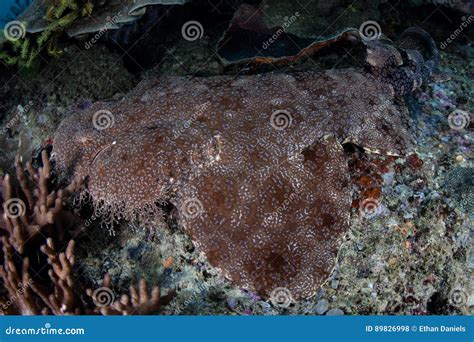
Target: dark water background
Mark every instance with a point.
(5, 11)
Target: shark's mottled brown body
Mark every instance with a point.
(253, 164)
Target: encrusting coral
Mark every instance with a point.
(459, 183)
(27, 225)
(253, 164)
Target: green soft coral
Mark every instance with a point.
(60, 14)
(20, 53)
(57, 8)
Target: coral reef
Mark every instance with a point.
(412, 254)
(84, 80)
(52, 93)
(138, 302)
(43, 24)
(39, 214)
(459, 182)
(25, 224)
(86, 16)
(26, 296)
(73, 79)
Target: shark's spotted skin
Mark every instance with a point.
(253, 164)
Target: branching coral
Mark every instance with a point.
(17, 282)
(29, 297)
(31, 222)
(36, 298)
(28, 214)
(19, 52)
(63, 299)
(138, 302)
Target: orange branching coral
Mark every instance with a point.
(60, 297)
(28, 297)
(139, 302)
(29, 213)
(63, 299)
(36, 216)
(21, 298)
